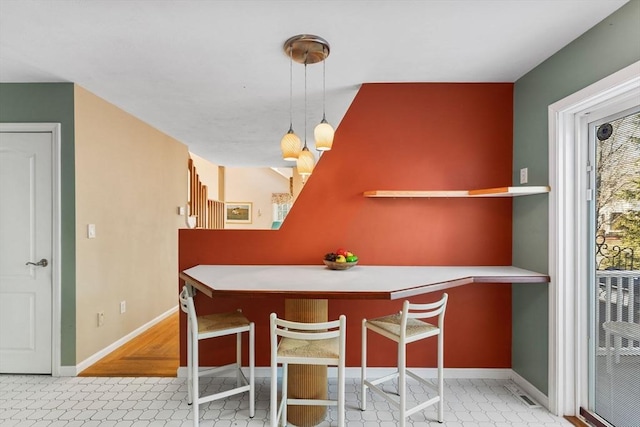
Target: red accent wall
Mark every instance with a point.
(396, 136)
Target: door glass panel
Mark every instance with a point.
(614, 368)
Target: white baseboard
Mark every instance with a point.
(67, 371)
(72, 371)
(531, 390)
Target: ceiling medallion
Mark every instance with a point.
(307, 48)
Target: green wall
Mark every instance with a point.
(53, 103)
(606, 48)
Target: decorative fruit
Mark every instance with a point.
(341, 251)
(341, 255)
(330, 256)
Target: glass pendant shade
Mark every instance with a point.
(305, 162)
(290, 146)
(323, 134)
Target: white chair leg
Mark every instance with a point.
(341, 396)
(196, 415)
(238, 359)
(363, 373)
(252, 364)
(402, 383)
(195, 381)
(285, 383)
(441, 377)
(274, 393)
(189, 372)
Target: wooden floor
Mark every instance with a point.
(154, 353)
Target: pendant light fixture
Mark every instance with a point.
(290, 143)
(324, 132)
(307, 49)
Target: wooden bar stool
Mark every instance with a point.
(213, 326)
(404, 328)
(321, 343)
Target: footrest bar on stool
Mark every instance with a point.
(312, 402)
(422, 380)
(383, 379)
(383, 393)
(422, 405)
(223, 394)
(217, 369)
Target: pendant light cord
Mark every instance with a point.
(291, 89)
(305, 104)
(324, 85)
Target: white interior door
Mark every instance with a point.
(26, 237)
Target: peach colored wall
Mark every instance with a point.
(401, 136)
(130, 180)
(254, 185)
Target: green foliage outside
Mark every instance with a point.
(629, 222)
(617, 181)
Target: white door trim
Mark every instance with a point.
(567, 232)
(56, 295)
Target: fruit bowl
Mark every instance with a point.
(332, 265)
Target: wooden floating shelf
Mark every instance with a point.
(485, 192)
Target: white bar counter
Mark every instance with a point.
(359, 282)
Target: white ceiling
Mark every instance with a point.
(213, 74)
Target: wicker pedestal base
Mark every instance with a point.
(306, 381)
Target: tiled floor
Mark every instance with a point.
(89, 401)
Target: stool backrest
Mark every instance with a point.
(320, 337)
(187, 306)
(307, 331)
(424, 311)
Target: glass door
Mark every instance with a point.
(614, 297)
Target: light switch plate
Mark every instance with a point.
(91, 231)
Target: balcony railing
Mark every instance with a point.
(613, 256)
(618, 301)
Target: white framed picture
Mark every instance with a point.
(238, 212)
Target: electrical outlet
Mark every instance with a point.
(123, 307)
(100, 318)
(524, 175)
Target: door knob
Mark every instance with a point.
(42, 263)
